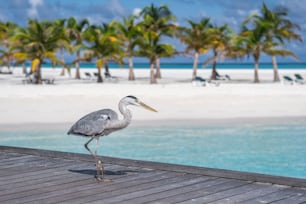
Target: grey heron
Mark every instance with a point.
(103, 122)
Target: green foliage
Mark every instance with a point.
(144, 36)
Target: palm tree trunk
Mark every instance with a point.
(77, 67)
(131, 69)
(214, 67)
(63, 58)
(195, 65)
(24, 68)
(152, 75)
(38, 74)
(256, 77)
(275, 69)
(158, 73)
(8, 64)
(62, 71)
(99, 78)
(107, 73)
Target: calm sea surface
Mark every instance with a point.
(268, 149)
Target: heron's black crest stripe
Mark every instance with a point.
(133, 97)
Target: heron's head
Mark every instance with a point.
(132, 100)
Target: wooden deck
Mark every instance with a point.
(39, 176)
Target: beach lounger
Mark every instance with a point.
(299, 79)
(48, 81)
(288, 80)
(88, 75)
(30, 80)
(7, 72)
(199, 81)
(222, 77)
(109, 77)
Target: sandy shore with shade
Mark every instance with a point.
(177, 101)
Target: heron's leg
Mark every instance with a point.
(99, 165)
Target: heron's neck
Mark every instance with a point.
(127, 117)
(120, 124)
(126, 113)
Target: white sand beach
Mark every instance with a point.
(177, 101)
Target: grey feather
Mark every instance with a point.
(93, 123)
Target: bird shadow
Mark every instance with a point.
(106, 172)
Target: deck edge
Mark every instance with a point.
(229, 174)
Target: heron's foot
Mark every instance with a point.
(100, 168)
(100, 172)
(99, 179)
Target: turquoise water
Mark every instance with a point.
(268, 149)
(190, 65)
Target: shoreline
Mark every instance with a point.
(176, 99)
(165, 123)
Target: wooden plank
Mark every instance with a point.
(176, 192)
(264, 190)
(277, 196)
(294, 182)
(44, 183)
(59, 193)
(54, 184)
(54, 177)
(8, 162)
(9, 155)
(33, 182)
(28, 167)
(84, 194)
(175, 183)
(207, 187)
(38, 170)
(296, 199)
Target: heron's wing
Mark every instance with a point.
(93, 123)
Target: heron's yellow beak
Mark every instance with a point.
(147, 107)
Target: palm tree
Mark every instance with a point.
(151, 48)
(104, 46)
(281, 29)
(158, 20)
(7, 51)
(75, 32)
(197, 41)
(63, 44)
(265, 33)
(39, 42)
(221, 44)
(130, 34)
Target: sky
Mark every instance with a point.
(232, 12)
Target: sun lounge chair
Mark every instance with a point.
(199, 81)
(222, 77)
(109, 77)
(48, 81)
(30, 80)
(299, 79)
(288, 80)
(7, 72)
(88, 75)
